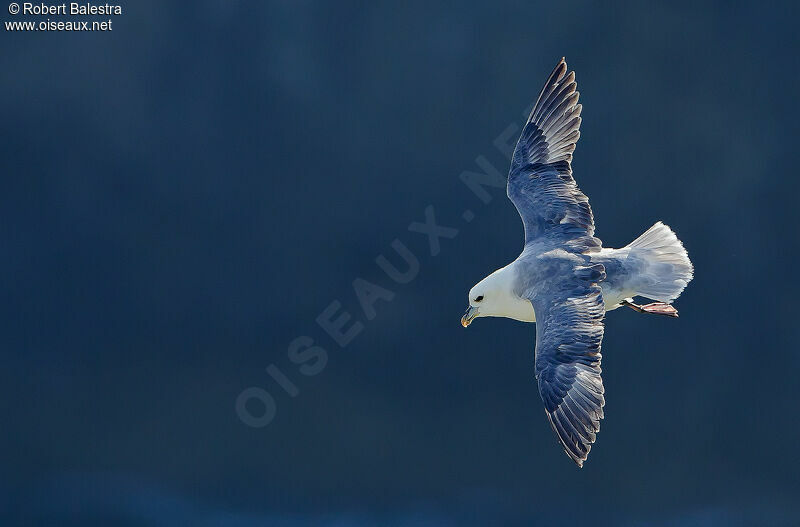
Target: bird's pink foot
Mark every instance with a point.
(656, 308)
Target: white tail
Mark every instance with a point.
(664, 266)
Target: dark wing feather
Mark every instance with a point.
(569, 331)
(540, 182)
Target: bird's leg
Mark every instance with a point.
(656, 308)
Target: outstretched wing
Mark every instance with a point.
(569, 331)
(540, 182)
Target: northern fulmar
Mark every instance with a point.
(564, 280)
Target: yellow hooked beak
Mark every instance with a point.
(471, 313)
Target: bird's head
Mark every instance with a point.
(477, 295)
(494, 296)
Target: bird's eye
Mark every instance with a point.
(478, 298)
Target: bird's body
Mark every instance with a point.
(564, 280)
(628, 271)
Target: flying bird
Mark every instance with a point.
(565, 280)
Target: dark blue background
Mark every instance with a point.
(184, 195)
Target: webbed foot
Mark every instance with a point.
(655, 308)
